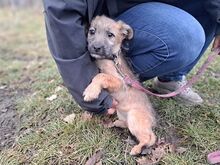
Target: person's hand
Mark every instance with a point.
(216, 43)
(112, 110)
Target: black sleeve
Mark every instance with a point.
(67, 42)
(213, 8)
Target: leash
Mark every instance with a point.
(137, 85)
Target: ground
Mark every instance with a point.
(32, 130)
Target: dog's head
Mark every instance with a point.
(105, 37)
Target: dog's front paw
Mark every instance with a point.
(91, 93)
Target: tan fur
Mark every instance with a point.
(134, 109)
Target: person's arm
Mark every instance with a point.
(67, 42)
(213, 8)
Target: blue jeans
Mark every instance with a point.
(168, 41)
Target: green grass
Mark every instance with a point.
(45, 139)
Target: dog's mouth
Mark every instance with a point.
(104, 53)
(98, 56)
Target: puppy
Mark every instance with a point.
(134, 110)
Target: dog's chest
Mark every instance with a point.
(108, 67)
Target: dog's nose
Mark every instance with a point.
(97, 49)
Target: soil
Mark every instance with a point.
(9, 94)
(9, 118)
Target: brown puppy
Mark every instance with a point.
(134, 109)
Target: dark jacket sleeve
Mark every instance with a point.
(67, 42)
(213, 8)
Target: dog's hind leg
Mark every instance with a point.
(99, 82)
(140, 125)
(146, 140)
(120, 124)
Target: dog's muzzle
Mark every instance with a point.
(97, 56)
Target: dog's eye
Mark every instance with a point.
(92, 31)
(110, 35)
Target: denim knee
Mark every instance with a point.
(166, 38)
(186, 43)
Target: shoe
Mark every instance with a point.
(188, 96)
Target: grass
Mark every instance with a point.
(44, 138)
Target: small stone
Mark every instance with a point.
(70, 118)
(58, 89)
(51, 98)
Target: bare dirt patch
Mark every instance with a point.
(9, 118)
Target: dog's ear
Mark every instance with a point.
(126, 30)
